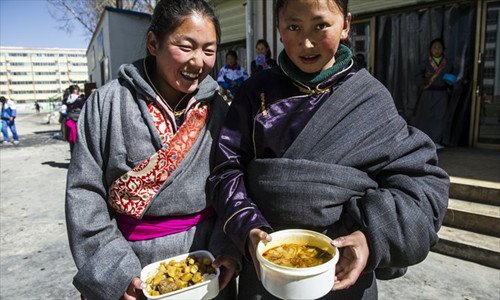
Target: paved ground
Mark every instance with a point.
(35, 261)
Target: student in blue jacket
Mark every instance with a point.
(8, 120)
(232, 75)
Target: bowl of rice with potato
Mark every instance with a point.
(186, 276)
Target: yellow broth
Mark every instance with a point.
(297, 255)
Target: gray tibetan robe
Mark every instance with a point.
(356, 165)
(115, 133)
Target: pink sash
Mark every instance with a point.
(72, 130)
(154, 227)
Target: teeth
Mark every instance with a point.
(190, 75)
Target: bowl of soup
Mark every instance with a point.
(297, 264)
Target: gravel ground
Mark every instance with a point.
(36, 263)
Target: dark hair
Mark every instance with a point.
(438, 40)
(232, 53)
(342, 4)
(2, 98)
(264, 42)
(73, 88)
(169, 14)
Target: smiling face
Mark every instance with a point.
(185, 57)
(311, 31)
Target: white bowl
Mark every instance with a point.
(206, 289)
(298, 283)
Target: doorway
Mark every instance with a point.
(486, 125)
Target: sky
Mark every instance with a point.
(28, 23)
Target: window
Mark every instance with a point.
(19, 64)
(78, 73)
(491, 37)
(45, 73)
(43, 64)
(492, 17)
(489, 54)
(489, 72)
(361, 39)
(18, 54)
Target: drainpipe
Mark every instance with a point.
(249, 32)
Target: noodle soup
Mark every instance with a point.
(299, 283)
(297, 255)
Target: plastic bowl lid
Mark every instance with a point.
(450, 77)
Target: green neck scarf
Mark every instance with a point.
(437, 59)
(342, 59)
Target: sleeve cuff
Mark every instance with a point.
(238, 226)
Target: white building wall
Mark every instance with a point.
(39, 74)
(121, 35)
(365, 6)
(231, 14)
(127, 43)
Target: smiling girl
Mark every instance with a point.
(315, 144)
(136, 182)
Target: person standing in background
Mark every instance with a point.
(9, 114)
(74, 105)
(433, 103)
(263, 58)
(37, 107)
(232, 75)
(63, 117)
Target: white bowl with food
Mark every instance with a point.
(297, 264)
(186, 276)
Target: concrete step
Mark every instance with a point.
(480, 191)
(470, 246)
(472, 216)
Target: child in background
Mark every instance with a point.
(318, 145)
(74, 105)
(9, 114)
(232, 75)
(433, 102)
(263, 60)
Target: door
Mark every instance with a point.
(486, 131)
(362, 32)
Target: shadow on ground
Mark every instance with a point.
(479, 164)
(37, 138)
(55, 164)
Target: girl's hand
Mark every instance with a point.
(353, 260)
(134, 291)
(256, 235)
(228, 268)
